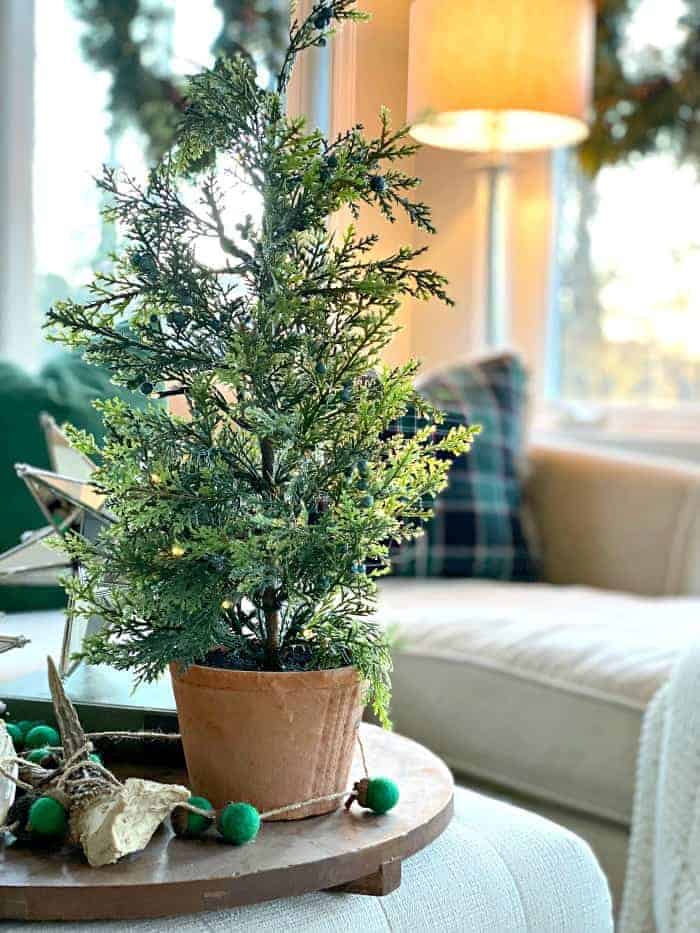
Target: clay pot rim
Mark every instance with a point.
(227, 678)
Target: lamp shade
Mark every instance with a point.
(500, 75)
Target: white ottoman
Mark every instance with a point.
(496, 869)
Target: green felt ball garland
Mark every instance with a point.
(48, 817)
(239, 823)
(194, 821)
(42, 737)
(33, 735)
(45, 817)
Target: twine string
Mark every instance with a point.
(363, 756)
(303, 803)
(268, 814)
(167, 736)
(15, 778)
(97, 781)
(100, 780)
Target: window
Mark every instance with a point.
(75, 134)
(626, 315)
(75, 129)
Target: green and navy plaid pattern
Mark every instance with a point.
(478, 528)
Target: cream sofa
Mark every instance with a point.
(537, 691)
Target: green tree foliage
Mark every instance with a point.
(244, 531)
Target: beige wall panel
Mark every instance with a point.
(370, 71)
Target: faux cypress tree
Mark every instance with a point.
(244, 531)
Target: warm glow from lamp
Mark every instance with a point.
(500, 75)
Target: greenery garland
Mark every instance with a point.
(143, 95)
(658, 107)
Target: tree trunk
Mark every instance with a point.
(273, 620)
(272, 647)
(268, 460)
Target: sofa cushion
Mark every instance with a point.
(535, 687)
(478, 529)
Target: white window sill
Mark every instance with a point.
(672, 432)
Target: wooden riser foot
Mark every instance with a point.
(383, 881)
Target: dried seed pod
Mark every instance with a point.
(18, 816)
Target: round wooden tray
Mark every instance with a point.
(353, 851)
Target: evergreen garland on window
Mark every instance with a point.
(633, 115)
(140, 93)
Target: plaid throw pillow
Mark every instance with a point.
(478, 528)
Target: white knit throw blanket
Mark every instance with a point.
(662, 888)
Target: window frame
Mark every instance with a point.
(20, 327)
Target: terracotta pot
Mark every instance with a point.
(269, 739)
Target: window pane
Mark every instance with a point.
(70, 143)
(627, 304)
(76, 132)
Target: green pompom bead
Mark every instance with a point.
(42, 735)
(24, 725)
(37, 755)
(321, 368)
(47, 817)
(366, 502)
(363, 467)
(96, 758)
(15, 734)
(238, 823)
(189, 824)
(382, 795)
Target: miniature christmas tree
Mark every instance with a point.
(244, 530)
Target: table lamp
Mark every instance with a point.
(499, 77)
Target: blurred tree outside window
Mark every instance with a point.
(626, 316)
(109, 79)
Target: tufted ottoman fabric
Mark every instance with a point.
(496, 869)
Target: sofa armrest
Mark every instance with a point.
(616, 521)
